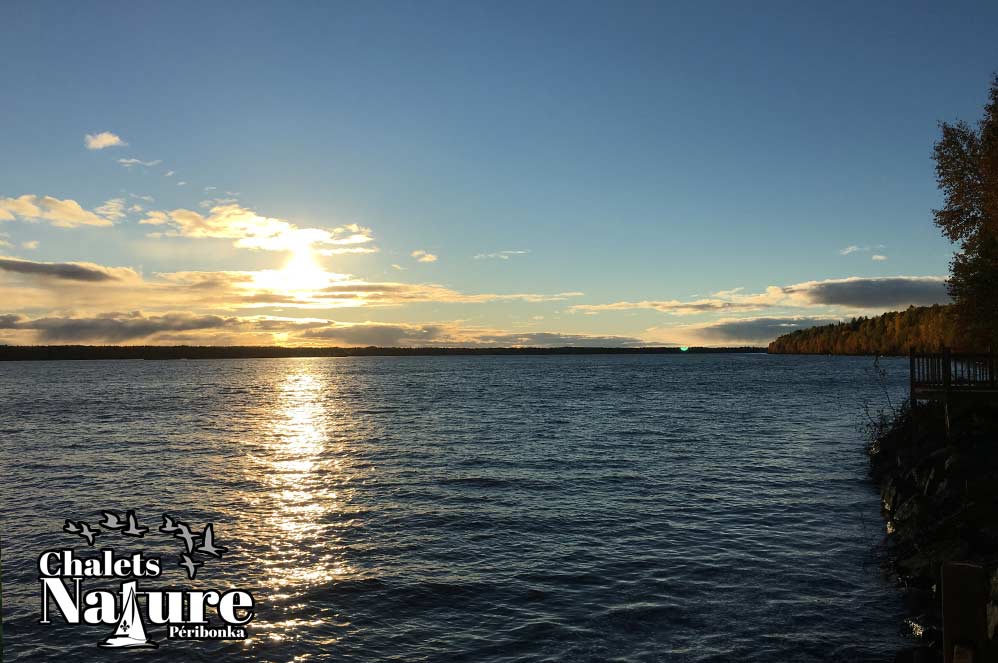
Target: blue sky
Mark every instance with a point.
(635, 153)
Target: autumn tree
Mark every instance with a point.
(967, 173)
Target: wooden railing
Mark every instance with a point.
(944, 371)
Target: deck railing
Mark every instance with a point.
(945, 370)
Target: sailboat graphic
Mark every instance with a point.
(129, 632)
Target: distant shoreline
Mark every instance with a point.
(167, 352)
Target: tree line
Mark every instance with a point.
(922, 328)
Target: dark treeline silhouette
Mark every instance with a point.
(64, 352)
(922, 328)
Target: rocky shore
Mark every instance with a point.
(940, 501)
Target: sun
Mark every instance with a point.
(301, 275)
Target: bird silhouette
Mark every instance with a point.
(184, 532)
(208, 543)
(134, 529)
(81, 529)
(192, 567)
(168, 526)
(111, 521)
(88, 533)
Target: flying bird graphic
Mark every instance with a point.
(134, 529)
(208, 546)
(168, 526)
(111, 521)
(88, 533)
(81, 529)
(184, 532)
(192, 567)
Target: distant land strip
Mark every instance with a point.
(154, 352)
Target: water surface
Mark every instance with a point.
(552, 508)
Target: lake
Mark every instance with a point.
(546, 508)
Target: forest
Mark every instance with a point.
(922, 328)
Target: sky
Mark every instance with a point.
(474, 173)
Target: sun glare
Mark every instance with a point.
(301, 275)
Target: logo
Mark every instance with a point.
(187, 614)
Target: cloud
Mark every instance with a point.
(191, 328)
(103, 140)
(878, 258)
(30, 245)
(853, 248)
(68, 271)
(168, 173)
(422, 256)
(114, 327)
(357, 293)
(131, 163)
(755, 330)
(555, 340)
(253, 231)
(181, 183)
(60, 213)
(372, 333)
(674, 306)
(399, 268)
(499, 255)
(881, 293)
(347, 249)
(215, 202)
(449, 334)
(113, 209)
(886, 293)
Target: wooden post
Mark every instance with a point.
(946, 386)
(991, 368)
(965, 598)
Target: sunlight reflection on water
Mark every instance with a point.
(299, 467)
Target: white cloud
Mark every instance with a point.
(214, 202)
(103, 140)
(499, 255)
(30, 245)
(422, 256)
(852, 249)
(253, 231)
(181, 183)
(60, 213)
(113, 209)
(168, 173)
(130, 163)
(878, 258)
